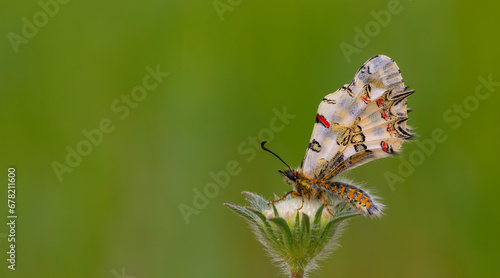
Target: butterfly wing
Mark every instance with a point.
(361, 121)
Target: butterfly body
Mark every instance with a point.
(310, 189)
(360, 122)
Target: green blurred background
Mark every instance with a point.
(117, 214)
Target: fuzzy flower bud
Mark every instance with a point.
(295, 240)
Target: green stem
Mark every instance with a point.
(298, 273)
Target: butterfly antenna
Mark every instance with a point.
(268, 150)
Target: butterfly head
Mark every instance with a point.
(290, 176)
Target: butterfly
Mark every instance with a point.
(362, 121)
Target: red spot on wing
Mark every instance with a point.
(390, 129)
(365, 99)
(384, 146)
(322, 120)
(384, 115)
(379, 102)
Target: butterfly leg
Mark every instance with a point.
(294, 193)
(327, 204)
(301, 205)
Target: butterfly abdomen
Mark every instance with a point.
(355, 197)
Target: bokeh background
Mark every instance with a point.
(117, 213)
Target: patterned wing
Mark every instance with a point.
(359, 122)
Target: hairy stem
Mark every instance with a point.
(297, 273)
